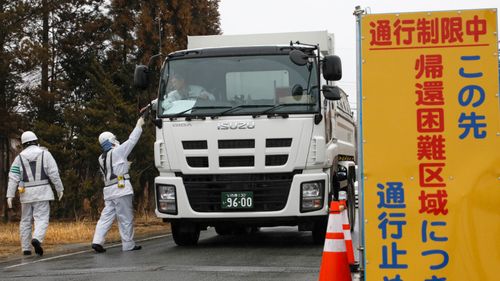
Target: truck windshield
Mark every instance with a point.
(237, 85)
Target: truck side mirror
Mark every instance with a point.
(297, 91)
(331, 92)
(298, 57)
(332, 68)
(341, 176)
(141, 77)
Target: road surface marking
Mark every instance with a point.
(172, 268)
(80, 252)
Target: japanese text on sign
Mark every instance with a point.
(426, 31)
(430, 176)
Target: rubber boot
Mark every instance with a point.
(38, 247)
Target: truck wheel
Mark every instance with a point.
(319, 232)
(351, 204)
(185, 234)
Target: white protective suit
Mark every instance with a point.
(35, 167)
(117, 200)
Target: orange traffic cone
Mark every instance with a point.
(347, 234)
(334, 264)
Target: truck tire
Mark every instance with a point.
(319, 232)
(351, 203)
(185, 233)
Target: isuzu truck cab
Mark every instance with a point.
(255, 135)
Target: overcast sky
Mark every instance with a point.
(335, 16)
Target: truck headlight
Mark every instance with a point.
(312, 195)
(167, 199)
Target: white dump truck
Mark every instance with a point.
(251, 132)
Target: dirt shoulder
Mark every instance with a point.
(69, 236)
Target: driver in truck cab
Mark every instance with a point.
(182, 91)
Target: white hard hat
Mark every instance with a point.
(104, 136)
(28, 136)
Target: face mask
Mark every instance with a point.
(106, 145)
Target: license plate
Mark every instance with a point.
(237, 200)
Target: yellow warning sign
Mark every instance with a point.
(431, 145)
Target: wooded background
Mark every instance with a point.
(66, 73)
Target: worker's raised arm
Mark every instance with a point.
(125, 148)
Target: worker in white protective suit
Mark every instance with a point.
(118, 191)
(31, 174)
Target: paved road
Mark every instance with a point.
(272, 254)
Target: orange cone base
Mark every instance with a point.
(334, 267)
(350, 251)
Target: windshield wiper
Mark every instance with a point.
(285, 115)
(177, 115)
(234, 108)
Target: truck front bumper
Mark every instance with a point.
(290, 214)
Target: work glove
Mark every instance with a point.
(140, 122)
(9, 202)
(144, 109)
(60, 195)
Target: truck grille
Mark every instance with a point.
(276, 160)
(278, 142)
(270, 191)
(236, 161)
(197, 162)
(234, 153)
(232, 144)
(194, 144)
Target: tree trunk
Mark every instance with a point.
(4, 138)
(45, 45)
(5, 174)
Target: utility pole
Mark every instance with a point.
(358, 13)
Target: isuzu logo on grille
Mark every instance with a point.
(235, 125)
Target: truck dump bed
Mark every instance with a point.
(323, 38)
